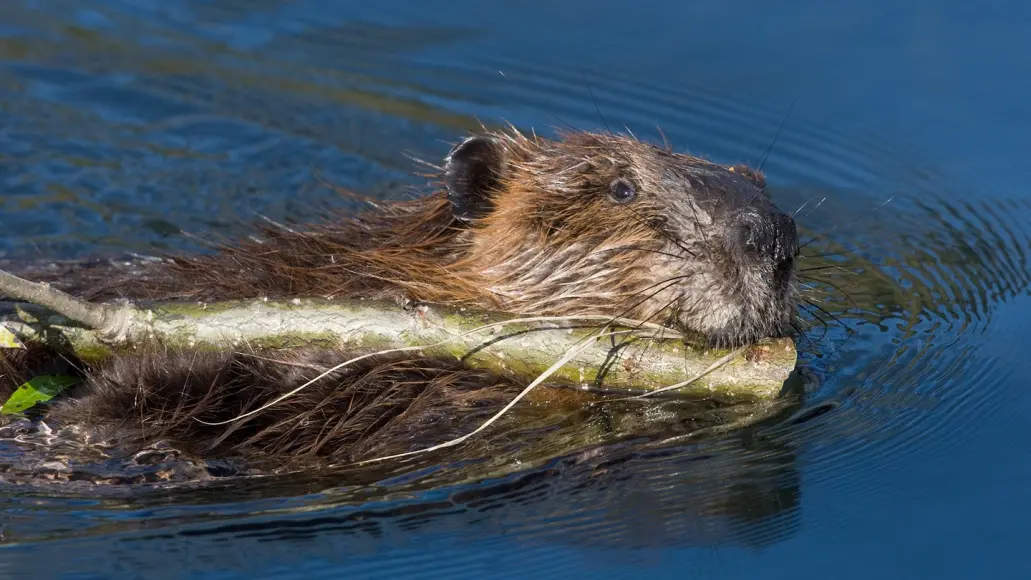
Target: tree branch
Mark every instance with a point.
(109, 322)
(644, 359)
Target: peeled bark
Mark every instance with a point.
(643, 360)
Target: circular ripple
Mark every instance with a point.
(904, 290)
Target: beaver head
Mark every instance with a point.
(607, 224)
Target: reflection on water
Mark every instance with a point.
(124, 124)
(554, 467)
(741, 493)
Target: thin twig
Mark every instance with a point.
(106, 320)
(540, 379)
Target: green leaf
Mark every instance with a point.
(8, 339)
(36, 390)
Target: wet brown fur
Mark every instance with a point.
(378, 406)
(553, 244)
(374, 407)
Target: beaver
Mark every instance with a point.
(583, 223)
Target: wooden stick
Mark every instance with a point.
(639, 361)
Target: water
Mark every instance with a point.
(123, 122)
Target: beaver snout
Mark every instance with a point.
(766, 232)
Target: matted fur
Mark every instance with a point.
(377, 406)
(553, 243)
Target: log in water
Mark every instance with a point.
(639, 358)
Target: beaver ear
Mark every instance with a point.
(753, 175)
(472, 171)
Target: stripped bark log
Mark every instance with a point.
(641, 360)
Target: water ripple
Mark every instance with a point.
(106, 133)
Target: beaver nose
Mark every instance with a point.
(767, 231)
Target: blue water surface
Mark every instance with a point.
(124, 122)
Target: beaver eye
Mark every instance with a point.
(622, 191)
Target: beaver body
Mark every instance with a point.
(584, 224)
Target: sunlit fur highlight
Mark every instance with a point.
(555, 243)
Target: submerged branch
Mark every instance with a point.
(643, 360)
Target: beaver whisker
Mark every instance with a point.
(797, 324)
(776, 135)
(813, 288)
(670, 316)
(851, 223)
(797, 327)
(811, 299)
(795, 213)
(839, 289)
(821, 309)
(841, 253)
(826, 267)
(605, 122)
(662, 287)
(823, 323)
